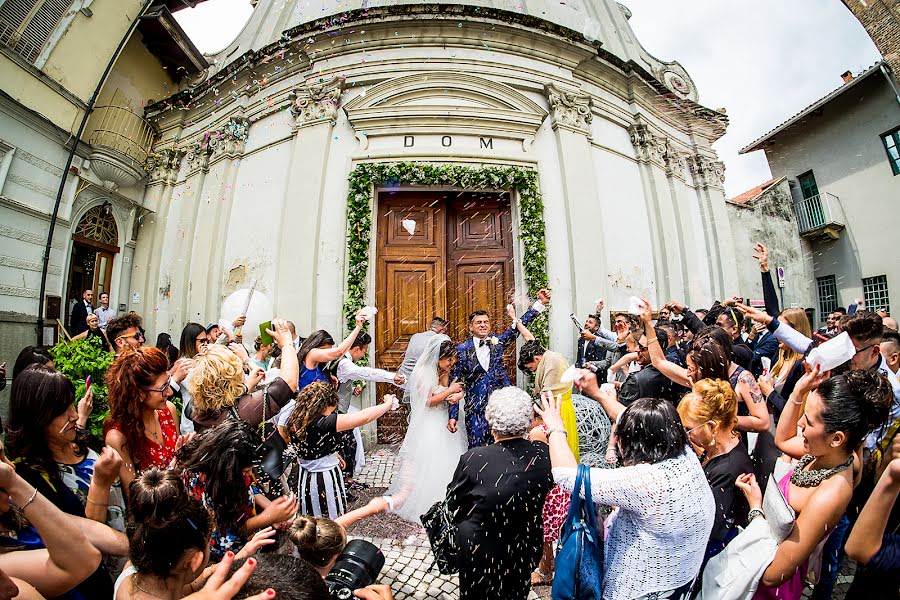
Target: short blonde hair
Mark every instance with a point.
(710, 400)
(217, 379)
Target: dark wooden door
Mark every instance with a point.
(437, 254)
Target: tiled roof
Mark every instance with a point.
(758, 144)
(754, 193)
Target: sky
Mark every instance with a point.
(761, 60)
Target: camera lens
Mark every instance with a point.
(358, 566)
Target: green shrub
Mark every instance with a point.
(78, 359)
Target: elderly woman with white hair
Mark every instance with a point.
(496, 496)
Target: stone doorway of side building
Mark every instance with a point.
(94, 247)
(443, 254)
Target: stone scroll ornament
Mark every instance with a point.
(317, 101)
(569, 109)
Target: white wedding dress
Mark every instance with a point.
(430, 453)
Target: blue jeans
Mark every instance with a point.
(832, 558)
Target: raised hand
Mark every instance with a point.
(599, 308)
(550, 410)
(85, 406)
(511, 311)
(361, 317)
(239, 350)
(281, 509)
(261, 538)
(544, 296)
(107, 466)
(753, 313)
(811, 380)
(180, 369)
(280, 333)
(256, 375)
(761, 254)
(675, 306)
(748, 485)
(218, 588)
(239, 321)
(646, 311)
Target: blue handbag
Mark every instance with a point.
(579, 560)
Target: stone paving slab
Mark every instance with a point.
(407, 553)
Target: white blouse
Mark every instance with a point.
(657, 538)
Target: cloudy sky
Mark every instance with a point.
(761, 60)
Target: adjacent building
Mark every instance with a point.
(840, 157)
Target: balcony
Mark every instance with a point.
(120, 142)
(820, 217)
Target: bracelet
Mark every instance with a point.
(557, 430)
(755, 512)
(30, 500)
(97, 503)
(652, 340)
(800, 403)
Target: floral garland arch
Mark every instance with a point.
(523, 181)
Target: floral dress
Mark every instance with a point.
(78, 478)
(226, 536)
(556, 508)
(154, 454)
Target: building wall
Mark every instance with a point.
(843, 148)
(770, 220)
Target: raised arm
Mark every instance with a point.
(375, 506)
(319, 355)
(688, 318)
(116, 441)
(106, 470)
(69, 557)
(587, 382)
(749, 393)
(786, 438)
(770, 296)
(519, 325)
(366, 415)
(290, 366)
(674, 372)
(867, 534)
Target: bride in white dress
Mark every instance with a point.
(430, 453)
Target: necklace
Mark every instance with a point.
(146, 591)
(814, 477)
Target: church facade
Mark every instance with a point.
(252, 175)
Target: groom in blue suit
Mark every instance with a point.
(481, 368)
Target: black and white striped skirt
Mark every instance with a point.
(321, 491)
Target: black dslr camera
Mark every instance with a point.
(357, 567)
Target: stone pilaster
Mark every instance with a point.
(569, 109)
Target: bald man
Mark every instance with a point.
(889, 323)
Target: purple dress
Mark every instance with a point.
(792, 589)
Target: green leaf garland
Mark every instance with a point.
(523, 181)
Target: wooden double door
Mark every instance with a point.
(442, 254)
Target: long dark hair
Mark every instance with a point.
(650, 431)
(855, 403)
(163, 522)
(38, 395)
(221, 454)
(188, 345)
(317, 339)
(312, 401)
(30, 355)
(712, 361)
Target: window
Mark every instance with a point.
(26, 25)
(875, 293)
(826, 287)
(892, 147)
(808, 186)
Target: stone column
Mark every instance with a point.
(570, 117)
(315, 110)
(708, 177)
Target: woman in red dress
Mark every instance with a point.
(141, 422)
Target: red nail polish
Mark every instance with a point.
(251, 562)
(229, 554)
(270, 593)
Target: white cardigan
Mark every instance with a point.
(657, 539)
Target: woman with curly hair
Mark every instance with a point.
(216, 467)
(313, 428)
(218, 390)
(141, 425)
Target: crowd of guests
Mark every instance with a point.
(699, 427)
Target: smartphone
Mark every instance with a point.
(87, 384)
(578, 325)
(266, 339)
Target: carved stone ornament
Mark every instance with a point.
(230, 140)
(706, 171)
(569, 109)
(317, 102)
(163, 165)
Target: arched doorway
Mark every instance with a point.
(95, 242)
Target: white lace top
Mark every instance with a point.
(657, 539)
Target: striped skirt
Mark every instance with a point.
(320, 488)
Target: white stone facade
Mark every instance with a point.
(251, 178)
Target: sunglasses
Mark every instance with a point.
(864, 348)
(137, 335)
(203, 341)
(690, 431)
(162, 390)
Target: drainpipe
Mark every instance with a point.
(890, 81)
(39, 330)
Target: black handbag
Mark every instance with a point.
(273, 446)
(442, 532)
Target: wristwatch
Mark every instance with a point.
(557, 430)
(755, 512)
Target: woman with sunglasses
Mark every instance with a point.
(141, 425)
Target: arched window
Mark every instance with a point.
(98, 224)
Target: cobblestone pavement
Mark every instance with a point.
(407, 553)
(408, 558)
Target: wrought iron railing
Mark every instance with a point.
(818, 212)
(120, 129)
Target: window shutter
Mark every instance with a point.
(26, 25)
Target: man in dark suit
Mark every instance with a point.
(481, 368)
(496, 498)
(764, 345)
(649, 382)
(78, 320)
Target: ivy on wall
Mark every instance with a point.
(524, 182)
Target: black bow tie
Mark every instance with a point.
(482, 343)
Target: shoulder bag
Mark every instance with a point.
(579, 561)
(442, 535)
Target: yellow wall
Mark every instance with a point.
(77, 62)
